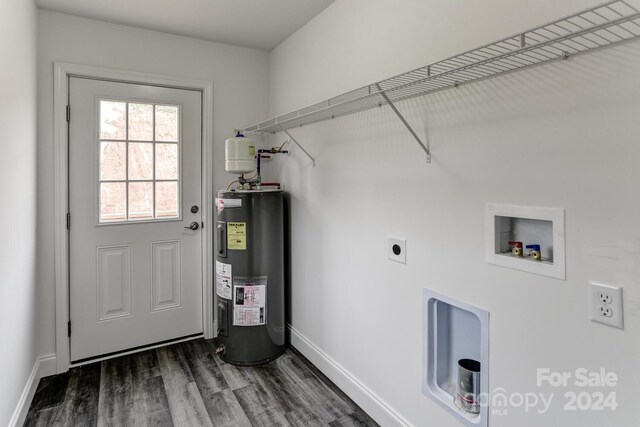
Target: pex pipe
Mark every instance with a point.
(271, 184)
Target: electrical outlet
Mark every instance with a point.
(397, 250)
(605, 311)
(605, 298)
(605, 303)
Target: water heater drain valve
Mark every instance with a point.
(220, 349)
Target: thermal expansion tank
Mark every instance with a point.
(249, 280)
(239, 154)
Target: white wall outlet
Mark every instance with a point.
(605, 304)
(397, 249)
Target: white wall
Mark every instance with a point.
(239, 76)
(18, 200)
(563, 135)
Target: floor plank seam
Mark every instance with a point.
(187, 384)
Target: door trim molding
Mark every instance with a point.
(62, 72)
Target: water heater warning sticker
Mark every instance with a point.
(223, 204)
(237, 236)
(249, 301)
(223, 280)
(248, 316)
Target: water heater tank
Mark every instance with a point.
(250, 290)
(239, 154)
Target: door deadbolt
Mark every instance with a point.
(194, 209)
(193, 226)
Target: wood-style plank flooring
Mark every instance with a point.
(185, 384)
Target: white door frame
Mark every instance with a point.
(62, 72)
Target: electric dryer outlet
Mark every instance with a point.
(605, 304)
(397, 249)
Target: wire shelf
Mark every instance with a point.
(602, 26)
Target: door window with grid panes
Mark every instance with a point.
(139, 161)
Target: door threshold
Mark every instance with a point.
(89, 360)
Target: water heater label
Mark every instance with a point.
(248, 316)
(223, 280)
(249, 301)
(237, 236)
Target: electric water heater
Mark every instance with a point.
(249, 279)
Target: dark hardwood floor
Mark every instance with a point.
(186, 385)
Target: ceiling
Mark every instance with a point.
(260, 24)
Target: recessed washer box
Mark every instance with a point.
(454, 330)
(530, 225)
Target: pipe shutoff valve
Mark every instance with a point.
(517, 249)
(535, 253)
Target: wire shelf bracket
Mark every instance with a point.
(299, 146)
(608, 24)
(424, 146)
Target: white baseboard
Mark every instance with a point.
(372, 404)
(43, 367)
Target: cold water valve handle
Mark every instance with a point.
(535, 253)
(517, 248)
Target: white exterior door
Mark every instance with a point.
(135, 181)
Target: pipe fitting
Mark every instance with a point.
(220, 350)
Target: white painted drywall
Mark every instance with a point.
(247, 23)
(18, 200)
(239, 76)
(563, 135)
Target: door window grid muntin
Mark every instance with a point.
(127, 181)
